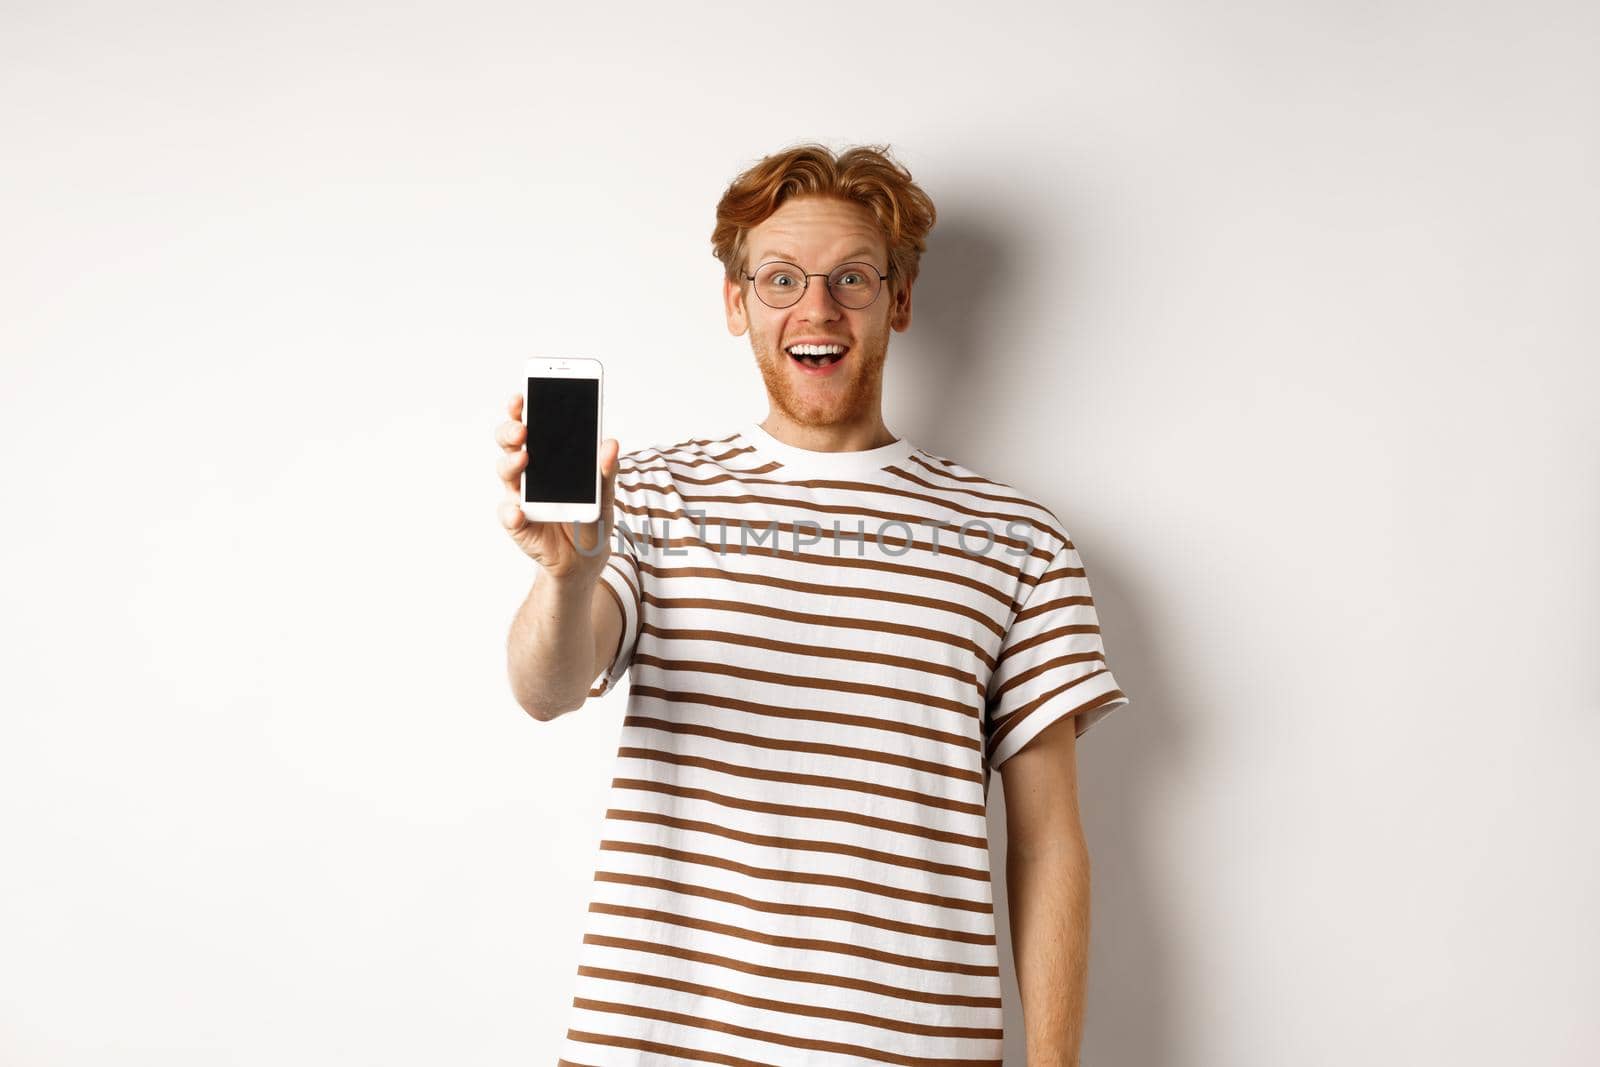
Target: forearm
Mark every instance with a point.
(1048, 895)
(550, 650)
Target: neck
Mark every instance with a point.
(856, 436)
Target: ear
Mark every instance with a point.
(733, 304)
(900, 314)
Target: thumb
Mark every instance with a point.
(609, 449)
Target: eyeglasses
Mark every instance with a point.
(781, 285)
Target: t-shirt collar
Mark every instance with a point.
(810, 463)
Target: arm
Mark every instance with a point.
(1047, 880)
(570, 624)
(563, 636)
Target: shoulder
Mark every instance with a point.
(1014, 511)
(662, 466)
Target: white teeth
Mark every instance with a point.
(817, 350)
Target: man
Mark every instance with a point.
(826, 664)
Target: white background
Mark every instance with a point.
(1288, 310)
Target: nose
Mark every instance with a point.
(817, 302)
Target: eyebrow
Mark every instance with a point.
(789, 257)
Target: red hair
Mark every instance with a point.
(865, 175)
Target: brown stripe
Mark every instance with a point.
(864, 488)
(810, 911)
(785, 974)
(801, 681)
(851, 510)
(1053, 605)
(789, 1007)
(622, 632)
(772, 1037)
(730, 453)
(669, 463)
(796, 648)
(743, 1031)
(1022, 713)
(793, 714)
(725, 546)
(858, 562)
(681, 1052)
(706, 442)
(945, 470)
(811, 944)
(1040, 638)
(801, 811)
(1051, 576)
(838, 881)
(693, 446)
(627, 570)
(640, 468)
(826, 591)
(819, 780)
(784, 842)
(815, 619)
(782, 744)
(1015, 496)
(1059, 535)
(1038, 669)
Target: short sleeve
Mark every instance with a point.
(620, 578)
(1052, 662)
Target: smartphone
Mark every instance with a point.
(561, 411)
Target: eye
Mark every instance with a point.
(777, 276)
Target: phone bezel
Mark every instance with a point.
(564, 367)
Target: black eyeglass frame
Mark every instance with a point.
(806, 283)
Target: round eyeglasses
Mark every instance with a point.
(781, 285)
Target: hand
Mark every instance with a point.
(551, 544)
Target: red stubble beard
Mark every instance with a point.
(849, 395)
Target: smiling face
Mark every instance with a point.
(818, 234)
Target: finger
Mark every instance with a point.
(510, 435)
(510, 467)
(511, 516)
(608, 481)
(514, 410)
(589, 535)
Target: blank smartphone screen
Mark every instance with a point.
(562, 416)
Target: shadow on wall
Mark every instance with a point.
(936, 370)
(945, 396)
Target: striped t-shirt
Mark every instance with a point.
(794, 866)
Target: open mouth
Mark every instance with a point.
(817, 357)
